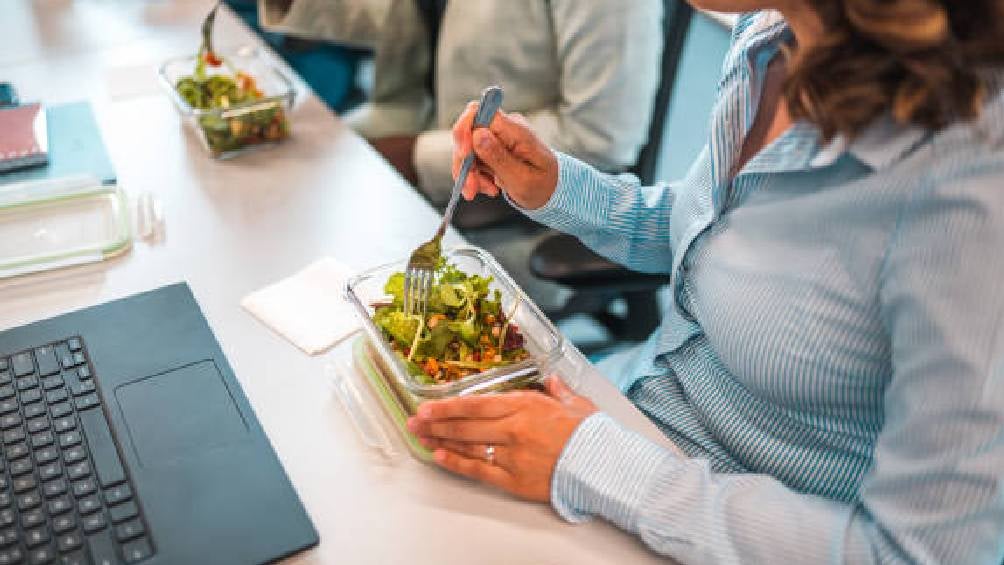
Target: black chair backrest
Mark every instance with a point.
(676, 23)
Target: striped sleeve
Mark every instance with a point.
(680, 508)
(612, 214)
(933, 492)
(589, 481)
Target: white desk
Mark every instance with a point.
(234, 226)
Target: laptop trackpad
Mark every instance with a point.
(180, 413)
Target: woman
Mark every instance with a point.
(833, 361)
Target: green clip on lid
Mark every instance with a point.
(56, 223)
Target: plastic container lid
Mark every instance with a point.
(60, 222)
(395, 406)
(541, 339)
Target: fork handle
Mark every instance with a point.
(207, 28)
(491, 100)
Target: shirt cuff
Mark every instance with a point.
(607, 470)
(576, 200)
(433, 160)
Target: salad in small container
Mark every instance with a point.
(234, 102)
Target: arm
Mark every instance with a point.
(604, 105)
(934, 493)
(611, 214)
(614, 215)
(605, 101)
(399, 104)
(356, 22)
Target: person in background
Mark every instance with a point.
(832, 362)
(329, 69)
(582, 72)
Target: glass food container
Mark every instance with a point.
(541, 339)
(227, 132)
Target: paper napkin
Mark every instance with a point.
(307, 308)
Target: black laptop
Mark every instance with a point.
(126, 438)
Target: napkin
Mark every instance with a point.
(132, 81)
(308, 308)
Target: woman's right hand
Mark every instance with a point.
(510, 157)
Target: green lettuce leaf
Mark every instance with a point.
(479, 285)
(395, 288)
(449, 273)
(417, 372)
(491, 305)
(454, 295)
(467, 330)
(439, 339)
(397, 324)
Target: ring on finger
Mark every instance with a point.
(490, 454)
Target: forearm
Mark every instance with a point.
(605, 105)
(356, 22)
(432, 159)
(611, 214)
(681, 509)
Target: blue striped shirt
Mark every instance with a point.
(832, 363)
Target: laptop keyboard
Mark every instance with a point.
(64, 495)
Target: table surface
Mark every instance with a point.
(234, 226)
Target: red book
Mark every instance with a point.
(23, 137)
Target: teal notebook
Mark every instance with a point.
(75, 147)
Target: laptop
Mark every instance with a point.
(126, 438)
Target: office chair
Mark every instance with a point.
(596, 282)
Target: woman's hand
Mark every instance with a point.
(526, 430)
(510, 157)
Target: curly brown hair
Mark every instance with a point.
(921, 60)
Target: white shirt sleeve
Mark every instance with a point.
(609, 56)
(355, 22)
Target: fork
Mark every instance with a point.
(207, 30)
(418, 275)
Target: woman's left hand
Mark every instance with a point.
(510, 440)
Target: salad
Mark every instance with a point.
(463, 332)
(236, 111)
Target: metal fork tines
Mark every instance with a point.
(419, 274)
(417, 285)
